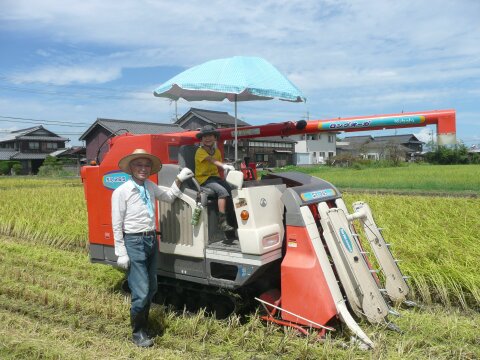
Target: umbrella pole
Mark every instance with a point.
(236, 140)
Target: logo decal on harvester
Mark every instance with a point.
(372, 122)
(114, 179)
(346, 240)
(317, 195)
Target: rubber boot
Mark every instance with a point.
(139, 334)
(147, 312)
(222, 222)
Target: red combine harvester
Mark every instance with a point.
(294, 248)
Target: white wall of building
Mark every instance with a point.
(314, 148)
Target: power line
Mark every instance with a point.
(48, 122)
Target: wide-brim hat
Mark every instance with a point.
(124, 162)
(207, 130)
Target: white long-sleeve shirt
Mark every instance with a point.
(130, 213)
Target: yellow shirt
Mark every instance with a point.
(204, 168)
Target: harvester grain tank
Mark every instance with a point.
(295, 247)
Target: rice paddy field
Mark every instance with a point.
(55, 304)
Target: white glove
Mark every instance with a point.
(123, 262)
(185, 174)
(227, 167)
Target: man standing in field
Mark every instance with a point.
(133, 223)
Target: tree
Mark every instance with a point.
(51, 166)
(7, 165)
(444, 155)
(17, 168)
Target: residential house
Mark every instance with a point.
(403, 147)
(195, 119)
(101, 130)
(72, 158)
(314, 148)
(30, 147)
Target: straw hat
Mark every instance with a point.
(124, 162)
(207, 130)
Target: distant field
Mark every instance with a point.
(54, 304)
(436, 178)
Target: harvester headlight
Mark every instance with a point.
(244, 215)
(271, 240)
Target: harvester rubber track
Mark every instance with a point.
(193, 297)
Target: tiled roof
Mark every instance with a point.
(134, 127)
(27, 130)
(58, 152)
(372, 146)
(358, 139)
(74, 150)
(43, 138)
(400, 139)
(6, 154)
(22, 134)
(216, 117)
(29, 156)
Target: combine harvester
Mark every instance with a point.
(295, 248)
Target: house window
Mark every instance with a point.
(331, 154)
(331, 138)
(321, 154)
(52, 146)
(34, 145)
(261, 157)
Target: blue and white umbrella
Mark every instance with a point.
(239, 78)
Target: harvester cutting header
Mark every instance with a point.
(295, 246)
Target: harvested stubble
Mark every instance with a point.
(54, 304)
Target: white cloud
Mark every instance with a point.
(348, 57)
(318, 44)
(62, 75)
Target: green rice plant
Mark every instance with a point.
(50, 214)
(414, 177)
(434, 238)
(9, 182)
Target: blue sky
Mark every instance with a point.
(63, 64)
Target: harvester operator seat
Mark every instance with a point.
(186, 158)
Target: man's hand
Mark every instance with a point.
(185, 174)
(123, 262)
(227, 167)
